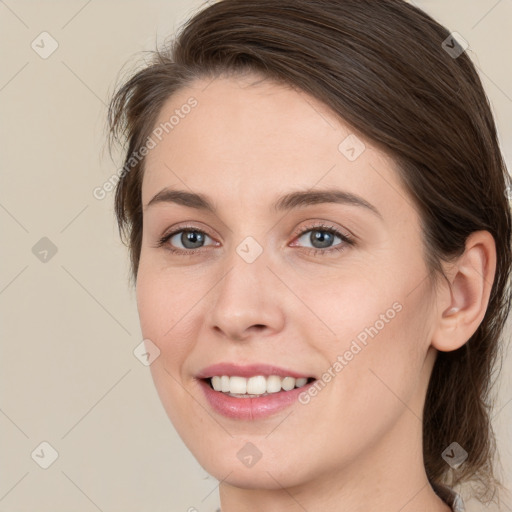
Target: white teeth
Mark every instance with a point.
(257, 385)
(273, 384)
(224, 381)
(300, 382)
(238, 385)
(216, 383)
(288, 383)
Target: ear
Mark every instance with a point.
(464, 302)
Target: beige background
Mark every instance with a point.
(69, 325)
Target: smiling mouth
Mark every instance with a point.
(255, 387)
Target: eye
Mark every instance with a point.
(189, 240)
(319, 238)
(322, 239)
(184, 240)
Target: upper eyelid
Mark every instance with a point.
(297, 232)
(323, 227)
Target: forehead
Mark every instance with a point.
(250, 138)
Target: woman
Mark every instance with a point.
(315, 205)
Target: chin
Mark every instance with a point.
(273, 473)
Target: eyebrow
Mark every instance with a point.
(287, 202)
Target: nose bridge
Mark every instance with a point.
(245, 296)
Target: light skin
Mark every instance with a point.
(356, 446)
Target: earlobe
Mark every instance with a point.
(465, 301)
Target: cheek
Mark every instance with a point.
(165, 315)
(165, 303)
(381, 338)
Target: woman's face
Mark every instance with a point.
(309, 261)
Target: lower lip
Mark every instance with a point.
(251, 408)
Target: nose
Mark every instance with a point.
(247, 301)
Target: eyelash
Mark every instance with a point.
(346, 239)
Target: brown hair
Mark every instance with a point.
(382, 67)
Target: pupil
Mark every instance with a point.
(192, 237)
(324, 238)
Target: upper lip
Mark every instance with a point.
(251, 370)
